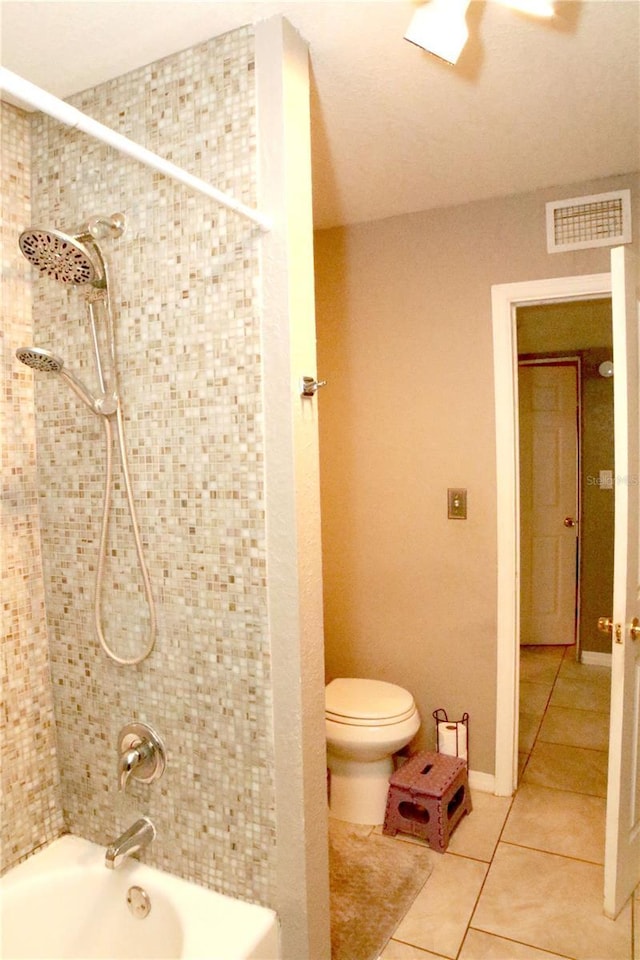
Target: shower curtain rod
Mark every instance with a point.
(36, 97)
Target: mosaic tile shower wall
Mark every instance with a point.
(184, 281)
(31, 812)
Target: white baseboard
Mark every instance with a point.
(594, 659)
(484, 782)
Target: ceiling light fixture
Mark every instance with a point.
(440, 27)
(537, 8)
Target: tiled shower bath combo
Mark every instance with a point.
(184, 280)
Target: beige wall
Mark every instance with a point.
(405, 340)
(596, 573)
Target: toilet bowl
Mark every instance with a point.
(367, 721)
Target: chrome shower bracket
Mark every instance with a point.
(309, 386)
(94, 294)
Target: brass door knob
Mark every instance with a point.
(606, 625)
(569, 522)
(634, 629)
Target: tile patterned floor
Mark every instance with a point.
(522, 879)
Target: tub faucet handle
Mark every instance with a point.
(130, 761)
(141, 754)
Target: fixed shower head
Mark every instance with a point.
(39, 359)
(47, 362)
(73, 258)
(59, 255)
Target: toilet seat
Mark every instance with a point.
(367, 703)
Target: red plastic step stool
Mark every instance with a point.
(428, 796)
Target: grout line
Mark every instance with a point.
(577, 793)
(482, 885)
(562, 706)
(570, 746)
(524, 943)
(552, 853)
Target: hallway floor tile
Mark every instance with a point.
(575, 728)
(567, 768)
(552, 902)
(556, 821)
(523, 879)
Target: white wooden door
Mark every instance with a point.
(622, 850)
(548, 401)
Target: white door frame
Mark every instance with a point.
(505, 298)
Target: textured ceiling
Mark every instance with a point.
(531, 103)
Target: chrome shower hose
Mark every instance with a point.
(106, 510)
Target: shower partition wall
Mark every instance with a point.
(214, 327)
(184, 279)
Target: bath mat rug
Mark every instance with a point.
(373, 882)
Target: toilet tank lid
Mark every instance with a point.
(366, 699)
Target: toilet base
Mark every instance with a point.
(358, 791)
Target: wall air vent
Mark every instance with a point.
(601, 220)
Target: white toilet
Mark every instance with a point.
(367, 722)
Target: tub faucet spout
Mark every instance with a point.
(136, 838)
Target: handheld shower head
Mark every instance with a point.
(60, 256)
(39, 359)
(47, 362)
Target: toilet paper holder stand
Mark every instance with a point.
(458, 734)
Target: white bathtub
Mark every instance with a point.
(62, 903)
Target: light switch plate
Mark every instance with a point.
(606, 480)
(457, 503)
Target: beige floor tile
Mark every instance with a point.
(341, 827)
(438, 918)
(636, 927)
(567, 768)
(570, 824)
(484, 946)
(534, 697)
(575, 728)
(395, 950)
(540, 664)
(478, 833)
(527, 731)
(553, 903)
(523, 759)
(572, 669)
(583, 693)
